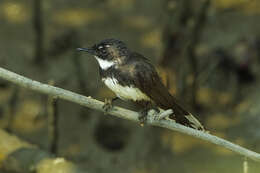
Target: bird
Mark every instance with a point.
(132, 77)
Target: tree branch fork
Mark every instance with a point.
(123, 113)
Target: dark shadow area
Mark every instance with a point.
(112, 137)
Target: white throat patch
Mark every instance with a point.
(104, 64)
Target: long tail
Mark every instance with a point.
(184, 117)
(194, 123)
(188, 120)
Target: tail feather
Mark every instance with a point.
(184, 117)
(187, 120)
(194, 123)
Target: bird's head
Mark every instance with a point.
(109, 52)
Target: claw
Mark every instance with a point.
(142, 117)
(144, 113)
(108, 105)
(157, 114)
(163, 115)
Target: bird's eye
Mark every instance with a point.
(102, 49)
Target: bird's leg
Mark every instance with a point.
(109, 104)
(144, 112)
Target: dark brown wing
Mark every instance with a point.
(149, 82)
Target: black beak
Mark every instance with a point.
(89, 50)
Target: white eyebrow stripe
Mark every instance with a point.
(100, 47)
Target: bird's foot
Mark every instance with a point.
(108, 105)
(144, 113)
(163, 115)
(142, 117)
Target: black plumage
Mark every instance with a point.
(131, 69)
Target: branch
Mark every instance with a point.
(195, 34)
(53, 130)
(39, 31)
(122, 113)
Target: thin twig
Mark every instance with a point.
(122, 113)
(53, 118)
(12, 106)
(196, 31)
(245, 166)
(55, 127)
(177, 16)
(39, 32)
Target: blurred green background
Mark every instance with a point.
(207, 52)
